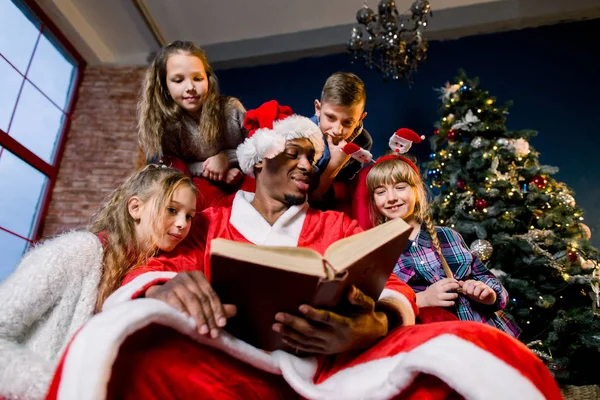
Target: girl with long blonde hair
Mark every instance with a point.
(61, 283)
(184, 121)
(437, 263)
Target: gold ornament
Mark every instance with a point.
(566, 199)
(587, 232)
(588, 264)
(482, 249)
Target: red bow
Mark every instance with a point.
(265, 115)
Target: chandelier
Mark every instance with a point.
(389, 42)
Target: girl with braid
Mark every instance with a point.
(436, 263)
(61, 283)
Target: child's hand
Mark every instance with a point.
(478, 291)
(234, 175)
(439, 294)
(338, 157)
(216, 167)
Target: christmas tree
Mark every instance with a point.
(522, 223)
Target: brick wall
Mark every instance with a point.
(100, 149)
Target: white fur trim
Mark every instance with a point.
(297, 127)
(471, 371)
(268, 143)
(128, 291)
(247, 156)
(462, 365)
(94, 349)
(402, 304)
(253, 226)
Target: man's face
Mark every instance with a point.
(286, 177)
(338, 121)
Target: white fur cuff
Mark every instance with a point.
(136, 287)
(401, 304)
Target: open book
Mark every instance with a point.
(263, 280)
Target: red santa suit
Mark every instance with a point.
(146, 349)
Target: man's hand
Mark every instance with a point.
(215, 167)
(478, 291)
(190, 293)
(325, 332)
(439, 294)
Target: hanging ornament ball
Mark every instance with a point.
(420, 7)
(539, 181)
(436, 132)
(587, 232)
(502, 142)
(481, 204)
(566, 199)
(573, 256)
(482, 249)
(462, 185)
(588, 264)
(365, 15)
(464, 88)
(387, 7)
(452, 135)
(477, 142)
(521, 147)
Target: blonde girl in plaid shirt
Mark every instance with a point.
(437, 264)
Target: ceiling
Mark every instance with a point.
(251, 32)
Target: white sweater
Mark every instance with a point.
(51, 294)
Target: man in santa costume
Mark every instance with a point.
(169, 342)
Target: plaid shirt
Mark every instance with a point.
(420, 266)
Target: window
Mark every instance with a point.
(39, 74)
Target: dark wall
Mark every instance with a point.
(551, 74)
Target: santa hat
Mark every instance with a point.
(402, 139)
(269, 127)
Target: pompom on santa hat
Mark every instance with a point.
(403, 138)
(269, 127)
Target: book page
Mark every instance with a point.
(347, 251)
(295, 259)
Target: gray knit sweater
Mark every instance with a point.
(43, 303)
(184, 141)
